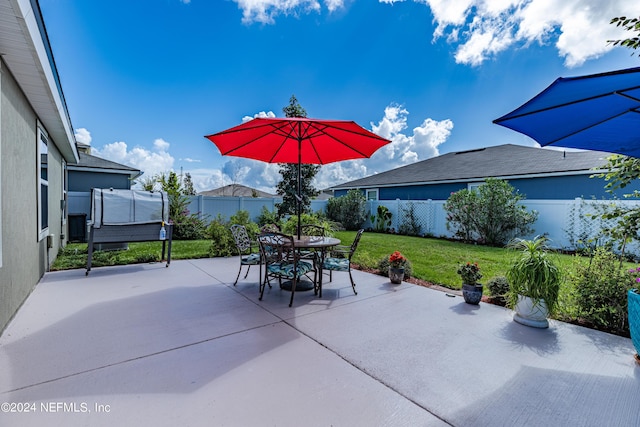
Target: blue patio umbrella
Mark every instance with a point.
(593, 112)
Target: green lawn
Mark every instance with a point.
(74, 255)
(433, 260)
(437, 260)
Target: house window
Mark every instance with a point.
(63, 199)
(43, 187)
(473, 186)
(372, 194)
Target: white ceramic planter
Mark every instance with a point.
(530, 314)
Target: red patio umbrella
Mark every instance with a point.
(298, 140)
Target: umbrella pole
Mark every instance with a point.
(299, 199)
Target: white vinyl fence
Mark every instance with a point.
(567, 223)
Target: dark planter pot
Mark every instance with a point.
(396, 275)
(472, 294)
(633, 304)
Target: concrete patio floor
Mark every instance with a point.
(180, 346)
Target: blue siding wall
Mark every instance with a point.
(545, 188)
(85, 181)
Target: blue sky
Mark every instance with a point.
(145, 80)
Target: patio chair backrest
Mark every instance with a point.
(276, 247)
(241, 237)
(356, 240)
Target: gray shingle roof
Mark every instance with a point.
(235, 190)
(498, 161)
(93, 162)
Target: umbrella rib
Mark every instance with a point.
(633, 98)
(284, 133)
(325, 126)
(506, 119)
(588, 127)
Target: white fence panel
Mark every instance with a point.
(553, 220)
(567, 223)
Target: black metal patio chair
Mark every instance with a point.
(339, 259)
(282, 261)
(248, 251)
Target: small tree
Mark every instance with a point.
(622, 170)
(499, 214)
(410, 223)
(460, 207)
(186, 226)
(187, 185)
(349, 210)
(490, 215)
(288, 187)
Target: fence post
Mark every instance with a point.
(430, 217)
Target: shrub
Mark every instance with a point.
(291, 225)
(349, 210)
(410, 224)
(242, 218)
(601, 292)
(268, 217)
(381, 220)
(460, 209)
(498, 289)
(222, 243)
(492, 214)
(189, 227)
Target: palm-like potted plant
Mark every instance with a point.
(534, 282)
(471, 289)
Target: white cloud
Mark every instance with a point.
(264, 11)
(150, 162)
(483, 28)
(252, 173)
(190, 160)
(261, 114)
(405, 148)
(422, 144)
(83, 136)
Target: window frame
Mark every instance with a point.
(42, 139)
(374, 191)
(473, 186)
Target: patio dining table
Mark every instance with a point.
(318, 243)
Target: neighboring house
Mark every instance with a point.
(91, 172)
(95, 172)
(324, 195)
(235, 190)
(537, 173)
(36, 144)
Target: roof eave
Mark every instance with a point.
(28, 56)
(460, 180)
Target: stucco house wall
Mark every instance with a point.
(30, 99)
(24, 256)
